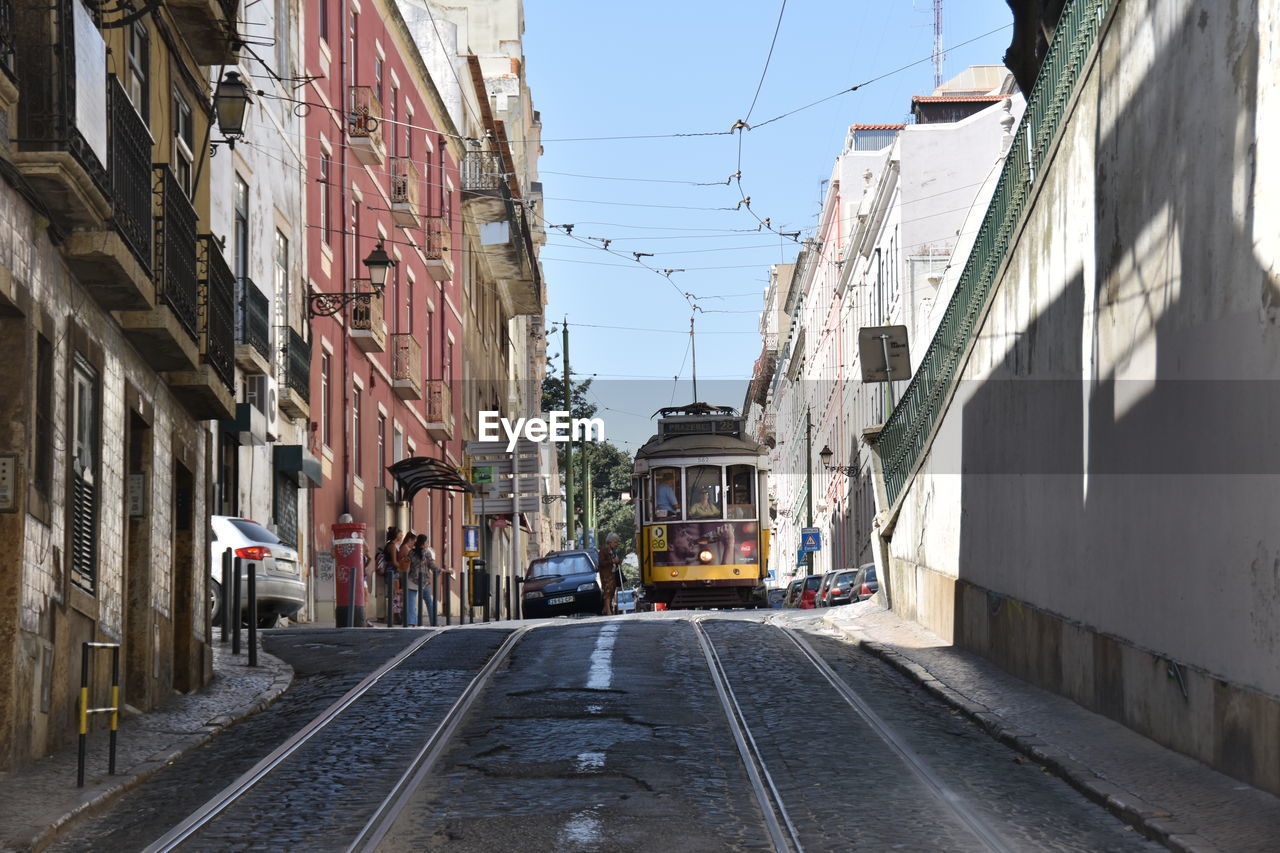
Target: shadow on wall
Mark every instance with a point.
(1118, 523)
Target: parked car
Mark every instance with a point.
(279, 585)
(842, 587)
(809, 594)
(563, 583)
(792, 598)
(824, 588)
(776, 596)
(626, 601)
(867, 583)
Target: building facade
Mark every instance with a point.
(117, 329)
(383, 161)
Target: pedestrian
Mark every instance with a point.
(388, 563)
(608, 571)
(416, 583)
(401, 595)
(431, 591)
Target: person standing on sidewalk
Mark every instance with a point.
(387, 567)
(609, 561)
(416, 583)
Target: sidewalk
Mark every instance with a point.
(1172, 798)
(39, 800)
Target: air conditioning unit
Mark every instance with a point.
(271, 407)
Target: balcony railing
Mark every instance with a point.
(364, 125)
(439, 238)
(177, 279)
(439, 410)
(217, 299)
(7, 32)
(906, 435)
(405, 184)
(367, 328)
(45, 57)
(129, 154)
(297, 364)
(253, 318)
(406, 366)
(482, 171)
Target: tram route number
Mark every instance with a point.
(658, 537)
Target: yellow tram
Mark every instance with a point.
(702, 518)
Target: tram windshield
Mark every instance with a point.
(702, 491)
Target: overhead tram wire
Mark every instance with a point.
(767, 59)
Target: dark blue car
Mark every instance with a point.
(563, 583)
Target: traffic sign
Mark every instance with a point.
(810, 539)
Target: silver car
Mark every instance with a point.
(280, 587)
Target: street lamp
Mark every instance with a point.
(825, 455)
(230, 99)
(328, 304)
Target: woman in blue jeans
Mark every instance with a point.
(419, 580)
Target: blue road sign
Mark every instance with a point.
(801, 557)
(810, 539)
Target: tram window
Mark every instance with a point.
(666, 493)
(741, 480)
(703, 491)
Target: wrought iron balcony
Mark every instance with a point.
(439, 248)
(296, 370)
(406, 366)
(7, 41)
(113, 258)
(63, 82)
(253, 327)
(405, 184)
(130, 146)
(439, 410)
(217, 299)
(367, 328)
(177, 279)
(482, 172)
(364, 125)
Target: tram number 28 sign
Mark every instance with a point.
(658, 537)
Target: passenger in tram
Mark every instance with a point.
(667, 501)
(704, 508)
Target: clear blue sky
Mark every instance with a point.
(611, 69)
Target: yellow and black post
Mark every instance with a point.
(113, 709)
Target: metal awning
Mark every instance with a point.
(296, 461)
(422, 472)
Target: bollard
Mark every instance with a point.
(253, 614)
(235, 586)
(85, 710)
(226, 593)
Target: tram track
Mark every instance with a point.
(783, 832)
(224, 803)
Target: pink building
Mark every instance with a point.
(382, 170)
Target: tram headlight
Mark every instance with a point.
(705, 555)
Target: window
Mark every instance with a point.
(42, 447)
(397, 444)
(184, 142)
(408, 132)
(378, 65)
(137, 72)
(255, 391)
(282, 265)
(322, 17)
(326, 430)
(408, 304)
(741, 480)
(666, 493)
(382, 445)
(326, 198)
(702, 491)
(284, 67)
(357, 457)
(395, 121)
(240, 234)
(83, 526)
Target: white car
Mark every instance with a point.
(279, 585)
(626, 601)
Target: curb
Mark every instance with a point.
(1154, 822)
(148, 767)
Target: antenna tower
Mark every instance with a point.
(937, 43)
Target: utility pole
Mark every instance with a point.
(588, 498)
(693, 347)
(808, 479)
(570, 525)
(937, 43)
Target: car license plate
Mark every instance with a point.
(564, 599)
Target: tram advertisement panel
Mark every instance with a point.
(714, 543)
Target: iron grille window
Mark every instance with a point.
(129, 149)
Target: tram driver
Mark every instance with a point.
(666, 498)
